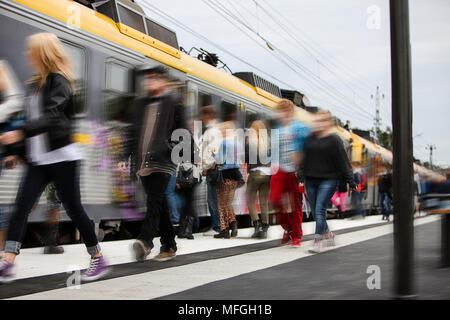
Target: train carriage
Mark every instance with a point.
(108, 44)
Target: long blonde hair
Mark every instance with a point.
(257, 138)
(50, 57)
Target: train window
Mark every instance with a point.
(131, 18)
(77, 56)
(117, 77)
(117, 93)
(228, 111)
(204, 99)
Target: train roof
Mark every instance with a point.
(106, 28)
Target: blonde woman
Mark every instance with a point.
(228, 157)
(50, 152)
(258, 181)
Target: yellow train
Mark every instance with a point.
(107, 44)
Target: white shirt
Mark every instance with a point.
(210, 143)
(38, 145)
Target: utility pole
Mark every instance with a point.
(377, 111)
(403, 150)
(431, 147)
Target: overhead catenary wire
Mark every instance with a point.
(321, 51)
(287, 59)
(179, 24)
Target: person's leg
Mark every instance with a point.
(296, 216)
(166, 228)
(325, 191)
(380, 203)
(223, 211)
(311, 186)
(155, 186)
(264, 192)
(213, 207)
(34, 182)
(231, 216)
(388, 206)
(172, 199)
(187, 214)
(190, 212)
(278, 188)
(251, 196)
(53, 216)
(182, 218)
(66, 176)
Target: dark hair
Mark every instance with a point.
(208, 111)
(159, 70)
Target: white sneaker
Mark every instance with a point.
(211, 232)
(317, 246)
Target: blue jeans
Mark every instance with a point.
(385, 203)
(173, 199)
(320, 192)
(212, 207)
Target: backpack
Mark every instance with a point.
(186, 177)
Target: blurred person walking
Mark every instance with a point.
(325, 163)
(209, 144)
(356, 195)
(45, 141)
(385, 192)
(11, 104)
(258, 180)
(188, 176)
(292, 135)
(153, 119)
(228, 157)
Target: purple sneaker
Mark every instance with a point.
(6, 274)
(98, 268)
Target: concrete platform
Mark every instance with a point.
(208, 268)
(32, 263)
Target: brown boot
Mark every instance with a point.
(224, 234)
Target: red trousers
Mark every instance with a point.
(285, 184)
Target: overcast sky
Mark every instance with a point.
(336, 52)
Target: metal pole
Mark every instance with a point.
(403, 150)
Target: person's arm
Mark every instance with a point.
(343, 163)
(13, 96)
(12, 104)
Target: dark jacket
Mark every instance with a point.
(385, 183)
(170, 118)
(325, 158)
(57, 115)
